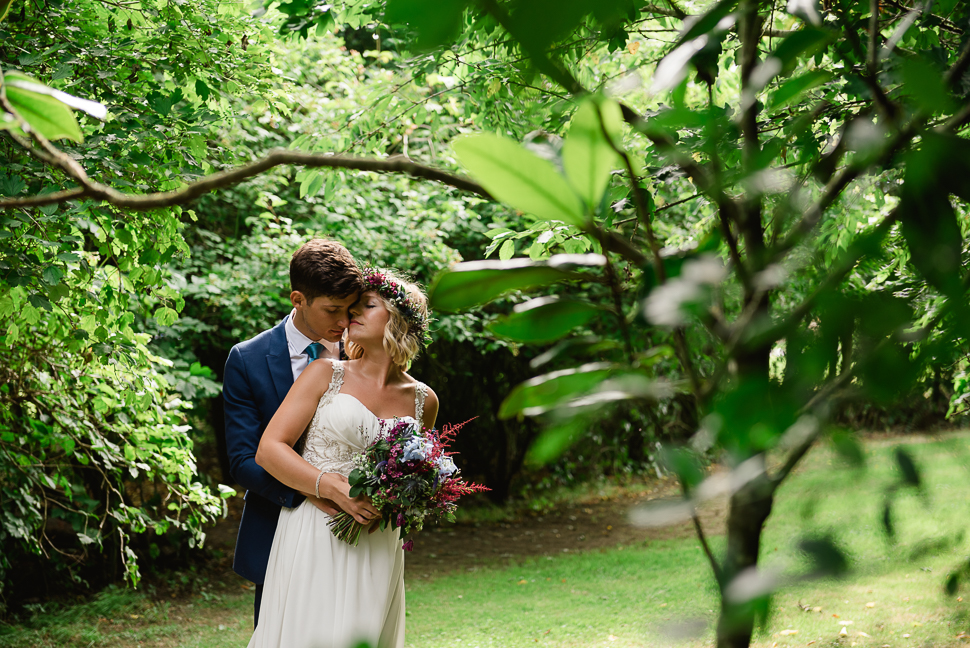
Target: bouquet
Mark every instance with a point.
(409, 476)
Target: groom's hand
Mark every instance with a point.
(327, 506)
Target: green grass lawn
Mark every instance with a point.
(653, 593)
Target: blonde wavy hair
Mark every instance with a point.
(402, 340)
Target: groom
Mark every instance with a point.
(325, 281)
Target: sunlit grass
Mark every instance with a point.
(653, 593)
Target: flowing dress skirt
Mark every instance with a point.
(321, 592)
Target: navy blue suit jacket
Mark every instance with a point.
(258, 376)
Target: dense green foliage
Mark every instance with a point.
(94, 444)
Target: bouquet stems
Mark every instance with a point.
(346, 528)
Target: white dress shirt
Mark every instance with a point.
(297, 344)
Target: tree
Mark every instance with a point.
(860, 99)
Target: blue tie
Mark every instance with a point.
(313, 350)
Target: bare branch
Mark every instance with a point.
(872, 62)
(673, 12)
(276, 157)
(702, 537)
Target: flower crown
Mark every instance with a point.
(396, 294)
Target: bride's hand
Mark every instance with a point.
(362, 509)
(336, 487)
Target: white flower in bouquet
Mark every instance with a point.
(446, 467)
(417, 449)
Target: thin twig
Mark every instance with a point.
(702, 537)
(663, 208)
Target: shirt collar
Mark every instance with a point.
(296, 341)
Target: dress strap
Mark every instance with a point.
(420, 392)
(336, 382)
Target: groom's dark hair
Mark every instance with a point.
(324, 267)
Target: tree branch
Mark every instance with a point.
(702, 537)
(873, 59)
(276, 157)
(673, 12)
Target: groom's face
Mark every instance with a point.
(322, 318)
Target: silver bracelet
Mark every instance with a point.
(317, 488)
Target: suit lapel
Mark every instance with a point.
(278, 360)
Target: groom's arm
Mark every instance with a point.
(243, 431)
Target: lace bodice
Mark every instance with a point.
(342, 426)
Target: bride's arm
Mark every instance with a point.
(430, 409)
(277, 456)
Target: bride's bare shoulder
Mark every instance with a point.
(317, 375)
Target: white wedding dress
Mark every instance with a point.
(321, 592)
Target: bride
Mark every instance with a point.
(320, 591)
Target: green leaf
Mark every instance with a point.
(544, 319)
(793, 88)
(11, 186)
(26, 83)
(48, 116)
(39, 301)
(542, 393)
(166, 316)
(519, 178)
(555, 440)
(202, 90)
(507, 251)
(436, 21)
(478, 282)
(52, 275)
(803, 42)
(197, 369)
(925, 85)
(312, 183)
(685, 465)
(587, 156)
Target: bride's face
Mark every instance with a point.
(368, 318)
